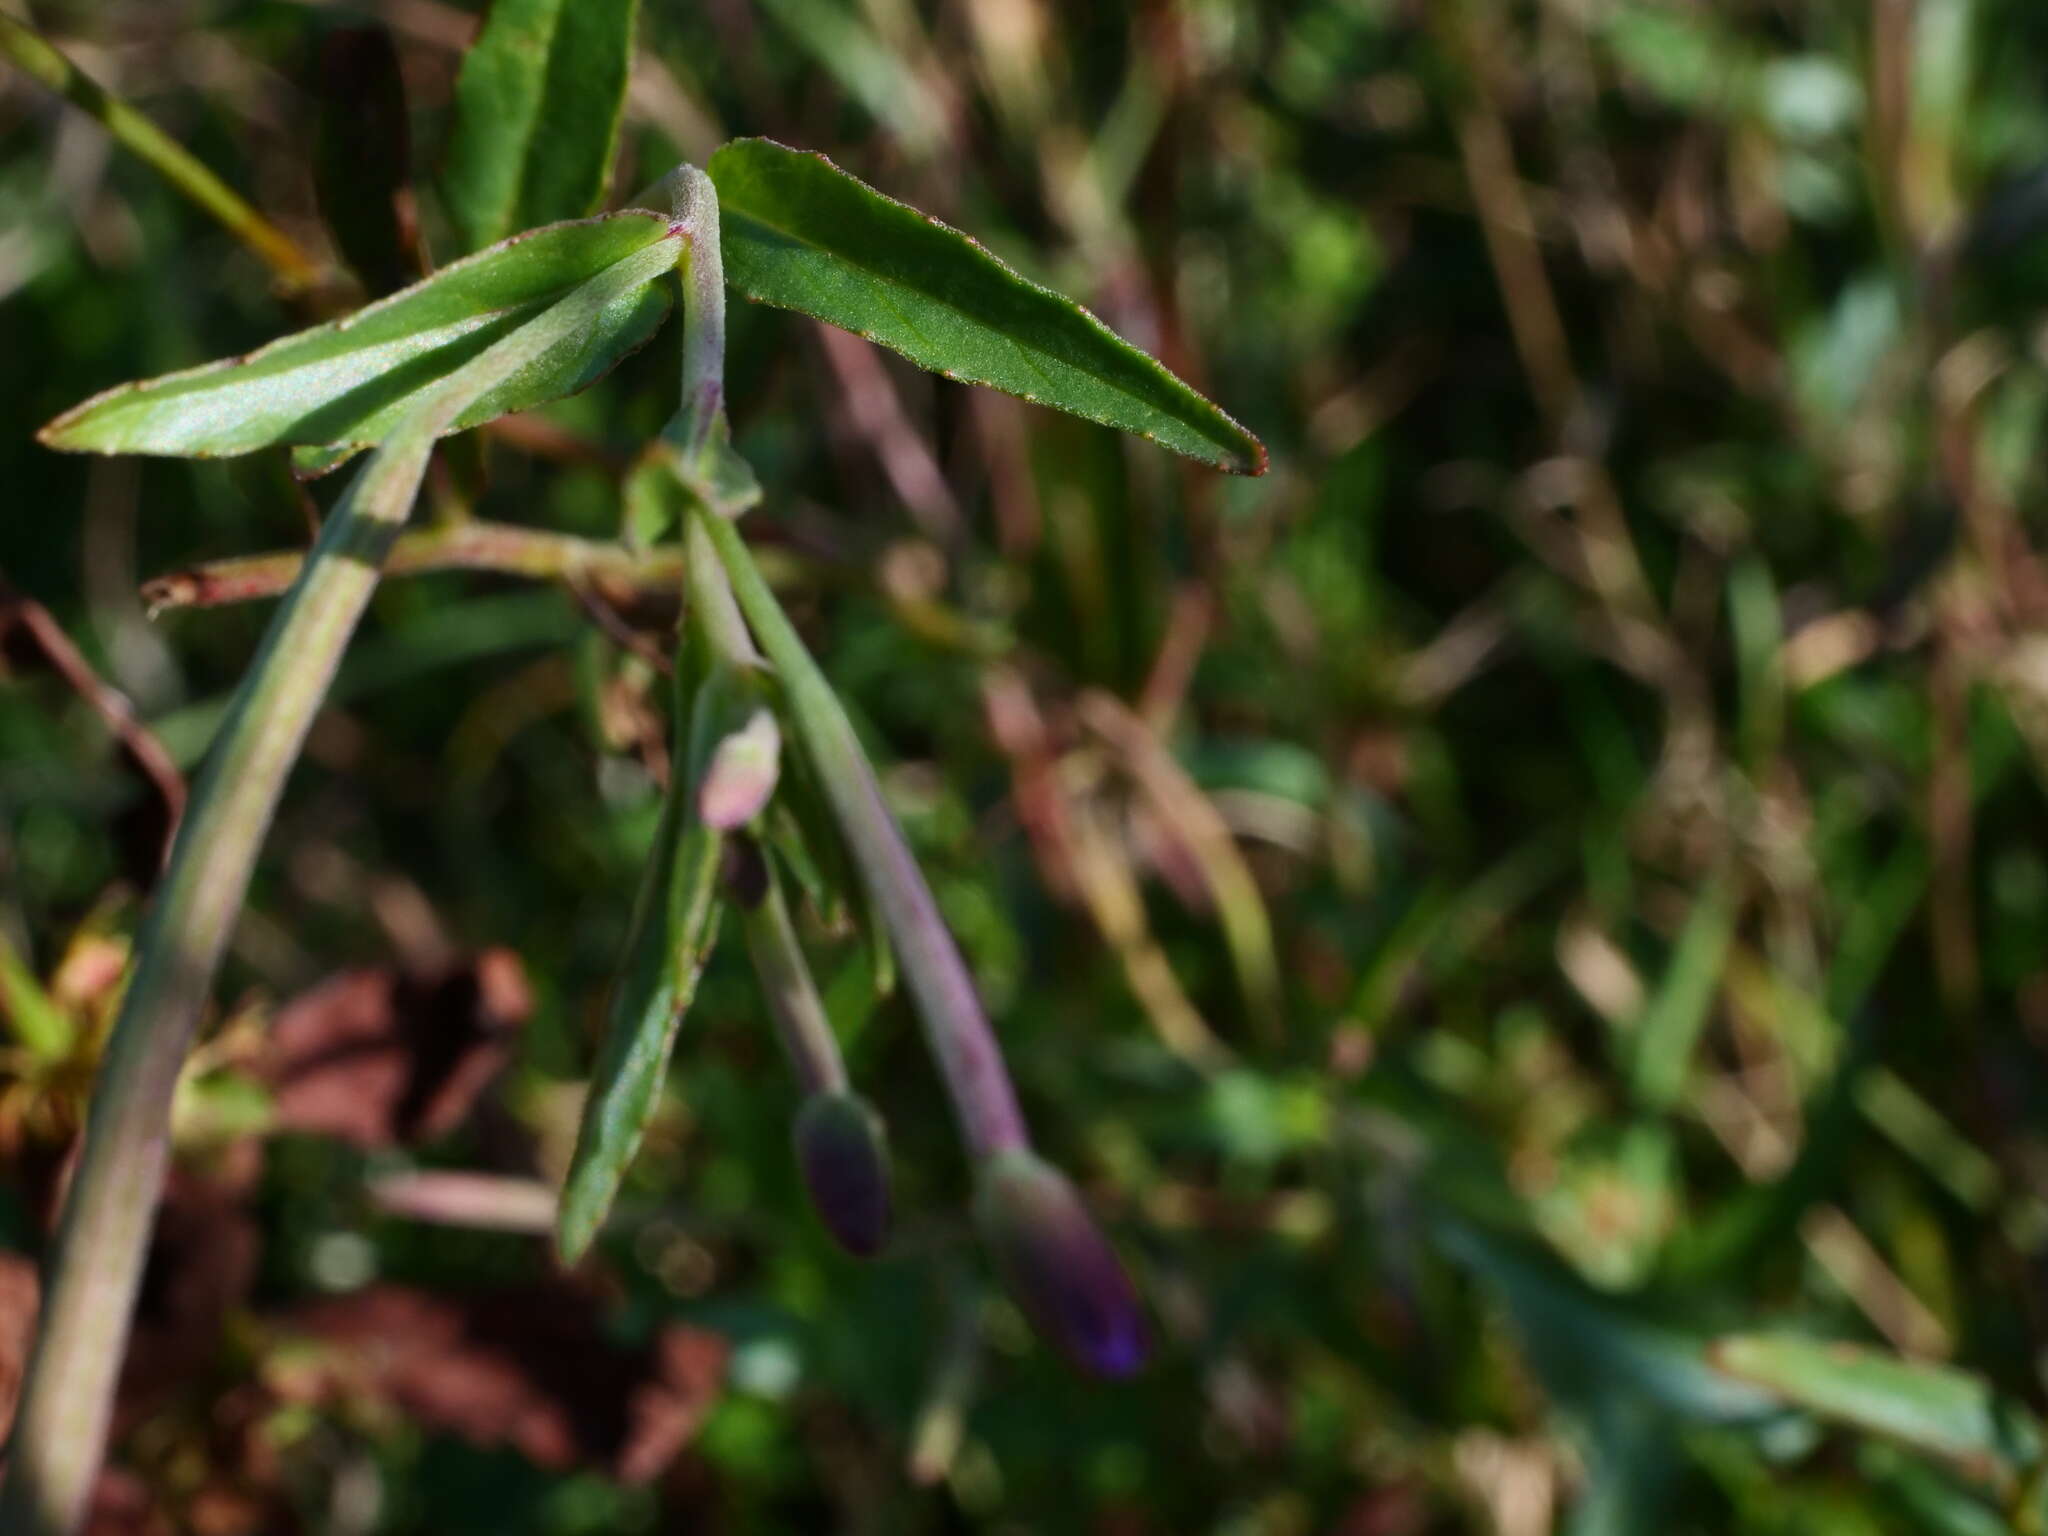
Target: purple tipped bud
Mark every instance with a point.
(843, 1152)
(741, 774)
(1057, 1265)
(744, 870)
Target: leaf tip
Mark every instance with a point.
(581, 1211)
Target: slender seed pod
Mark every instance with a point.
(1057, 1265)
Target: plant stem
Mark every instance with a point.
(96, 1266)
(712, 608)
(506, 548)
(965, 1046)
(791, 994)
(970, 1060)
(785, 977)
(171, 160)
(695, 208)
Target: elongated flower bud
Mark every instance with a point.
(843, 1152)
(1057, 1265)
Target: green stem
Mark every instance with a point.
(791, 994)
(165, 155)
(712, 608)
(96, 1265)
(969, 1058)
(785, 977)
(695, 210)
(971, 1062)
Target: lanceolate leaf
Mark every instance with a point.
(351, 381)
(802, 234)
(537, 114)
(675, 922)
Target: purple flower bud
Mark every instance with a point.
(842, 1150)
(741, 775)
(1057, 1264)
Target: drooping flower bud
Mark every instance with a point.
(843, 1151)
(741, 775)
(1057, 1265)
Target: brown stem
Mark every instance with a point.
(608, 568)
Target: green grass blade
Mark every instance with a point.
(1935, 1408)
(353, 380)
(141, 137)
(44, 1029)
(802, 234)
(537, 111)
(1668, 1034)
(1585, 1344)
(882, 79)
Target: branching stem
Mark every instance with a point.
(96, 1265)
(505, 548)
(963, 1043)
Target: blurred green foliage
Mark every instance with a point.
(1627, 697)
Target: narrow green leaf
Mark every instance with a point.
(1926, 1494)
(1585, 1344)
(312, 460)
(674, 925)
(868, 69)
(675, 921)
(801, 234)
(1667, 1035)
(352, 380)
(39, 1024)
(537, 111)
(1934, 1407)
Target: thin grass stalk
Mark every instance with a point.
(168, 158)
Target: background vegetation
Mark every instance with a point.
(1521, 919)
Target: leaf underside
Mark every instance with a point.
(537, 109)
(801, 234)
(351, 381)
